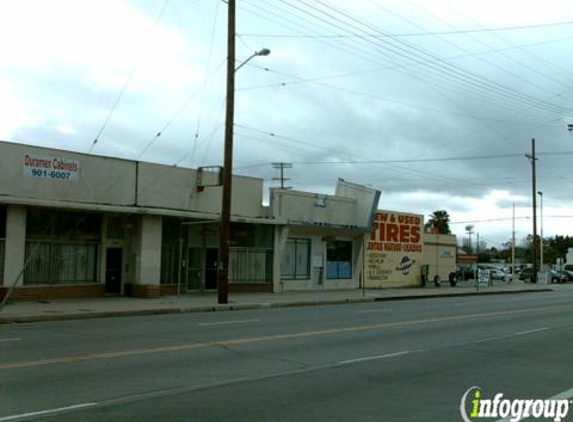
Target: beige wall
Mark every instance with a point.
(440, 255)
(148, 261)
(98, 180)
(176, 188)
(312, 209)
(366, 201)
(116, 182)
(317, 279)
(15, 247)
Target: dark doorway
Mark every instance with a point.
(113, 270)
(211, 258)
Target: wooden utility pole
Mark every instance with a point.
(225, 234)
(532, 160)
(513, 275)
(281, 167)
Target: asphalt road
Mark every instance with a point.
(389, 361)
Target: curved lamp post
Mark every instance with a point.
(225, 232)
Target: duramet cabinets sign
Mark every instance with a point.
(50, 167)
(394, 252)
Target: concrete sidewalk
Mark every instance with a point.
(101, 307)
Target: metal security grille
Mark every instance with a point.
(250, 265)
(2, 247)
(169, 264)
(60, 263)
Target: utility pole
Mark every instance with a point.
(281, 167)
(513, 275)
(532, 160)
(541, 237)
(469, 229)
(225, 229)
(223, 267)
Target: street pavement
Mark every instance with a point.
(84, 308)
(394, 360)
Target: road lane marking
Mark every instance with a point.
(47, 412)
(371, 311)
(241, 321)
(10, 339)
(470, 303)
(388, 355)
(272, 337)
(537, 330)
(563, 395)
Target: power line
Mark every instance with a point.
(493, 220)
(429, 61)
(413, 34)
(207, 79)
(125, 85)
(318, 81)
(518, 76)
(177, 114)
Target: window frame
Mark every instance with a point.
(303, 274)
(339, 260)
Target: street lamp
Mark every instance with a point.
(261, 52)
(225, 232)
(541, 246)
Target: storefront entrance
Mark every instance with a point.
(113, 271)
(211, 258)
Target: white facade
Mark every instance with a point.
(95, 225)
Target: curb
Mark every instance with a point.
(473, 293)
(243, 307)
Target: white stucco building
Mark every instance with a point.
(73, 224)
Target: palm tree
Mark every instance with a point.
(439, 221)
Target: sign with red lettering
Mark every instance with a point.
(394, 251)
(54, 168)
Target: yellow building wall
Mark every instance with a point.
(395, 250)
(440, 255)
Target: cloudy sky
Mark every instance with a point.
(434, 102)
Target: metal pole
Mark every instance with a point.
(364, 248)
(534, 205)
(437, 256)
(541, 237)
(513, 275)
(223, 267)
(180, 264)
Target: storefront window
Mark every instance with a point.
(296, 259)
(251, 235)
(2, 240)
(2, 221)
(339, 260)
(62, 247)
(64, 225)
(60, 263)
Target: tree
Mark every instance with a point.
(439, 221)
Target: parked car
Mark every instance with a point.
(497, 274)
(568, 274)
(464, 273)
(526, 274)
(557, 277)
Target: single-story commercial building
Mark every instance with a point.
(75, 224)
